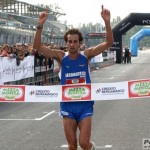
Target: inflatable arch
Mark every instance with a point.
(123, 26)
(134, 40)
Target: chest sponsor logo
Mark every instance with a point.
(75, 74)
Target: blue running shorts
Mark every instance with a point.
(77, 114)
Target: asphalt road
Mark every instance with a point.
(117, 125)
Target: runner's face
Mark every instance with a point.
(73, 43)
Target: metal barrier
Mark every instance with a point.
(50, 76)
(44, 74)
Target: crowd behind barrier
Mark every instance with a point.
(22, 65)
(31, 71)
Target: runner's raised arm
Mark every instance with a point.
(47, 52)
(91, 52)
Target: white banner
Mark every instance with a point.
(80, 92)
(43, 93)
(7, 69)
(110, 91)
(25, 69)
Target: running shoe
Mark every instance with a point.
(93, 145)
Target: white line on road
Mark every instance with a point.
(45, 115)
(16, 119)
(106, 146)
(99, 147)
(31, 119)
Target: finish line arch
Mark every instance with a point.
(134, 40)
(123, 26)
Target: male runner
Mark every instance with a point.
(75, 65)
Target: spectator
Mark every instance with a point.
(6, 51)
(130, 55)
(126, 55)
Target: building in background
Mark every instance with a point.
(18, 22)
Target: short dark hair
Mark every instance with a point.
(71, 32)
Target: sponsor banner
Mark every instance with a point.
(44, 93)
(139, 88)
(109, 91)
(12, 93)
(76, 92)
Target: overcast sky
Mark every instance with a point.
(85, 11)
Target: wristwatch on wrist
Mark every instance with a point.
(39, 26)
